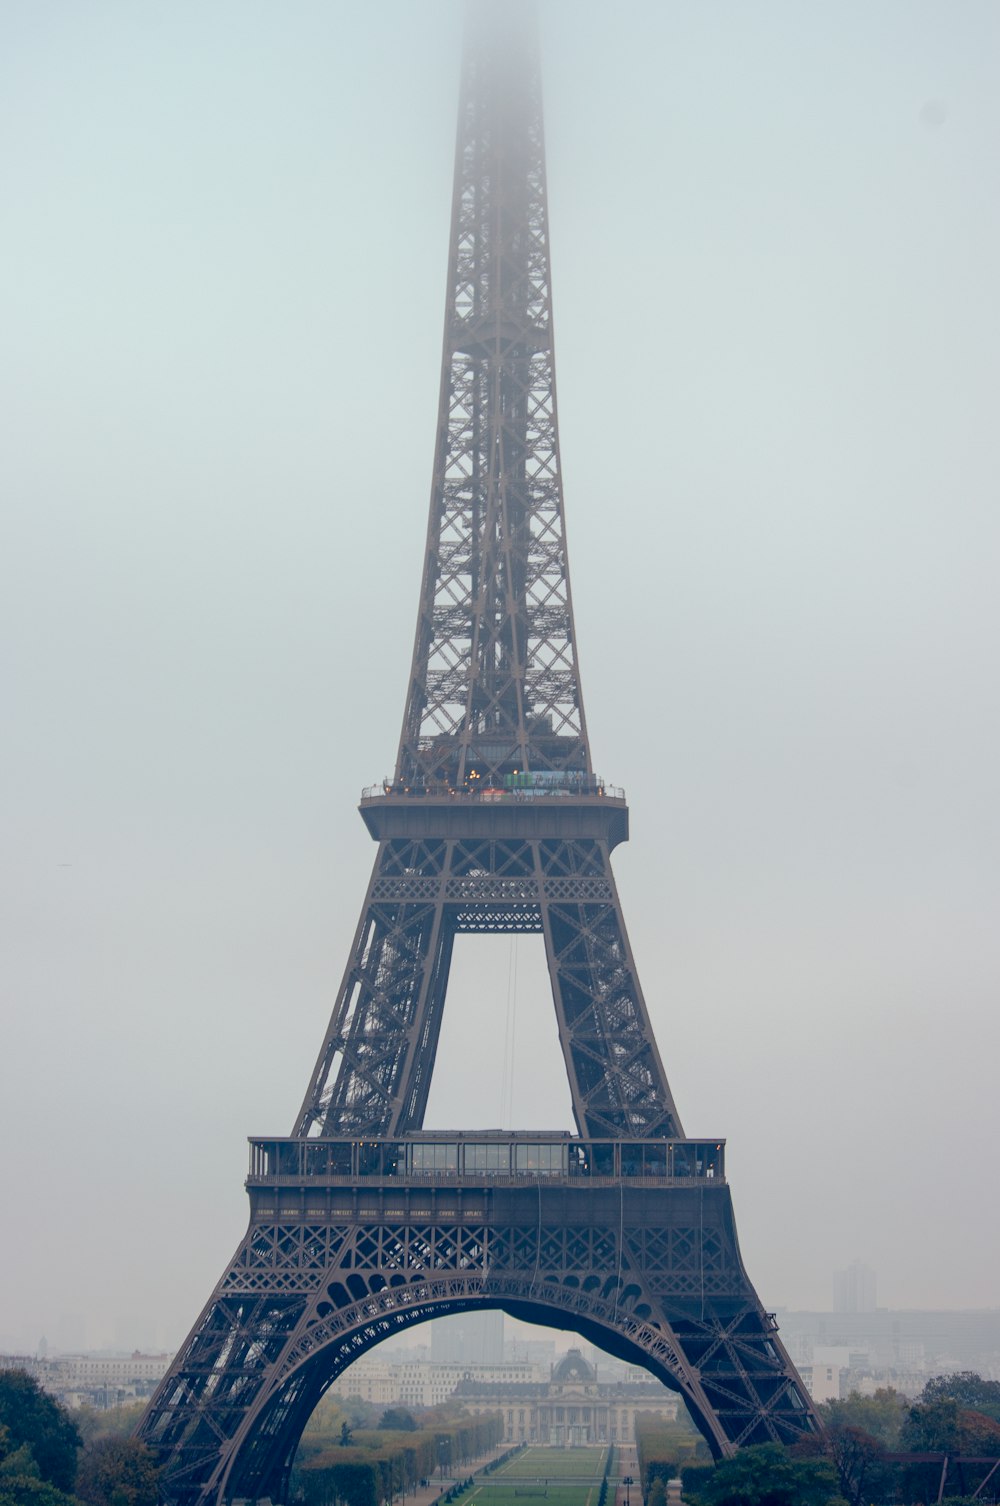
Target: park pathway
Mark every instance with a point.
(627, 1467)
(426, 1495)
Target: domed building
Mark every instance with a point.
(574, 1407)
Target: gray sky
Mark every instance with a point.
(775, 232)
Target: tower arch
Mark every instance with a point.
(260, 1459)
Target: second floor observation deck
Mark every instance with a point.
(492, 1158)
(565, 803)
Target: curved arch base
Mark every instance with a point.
(653, 1276)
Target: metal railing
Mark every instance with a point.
(497, 1161)
(530, 787)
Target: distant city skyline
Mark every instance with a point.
(836, 1353)
(445, 1339)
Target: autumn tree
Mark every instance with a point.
(942, 1426)
(945, 1426)
(104, 1422)
(859, 1460)
(118, 1472)
(860, 1430)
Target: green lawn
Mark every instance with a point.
(566, 1463)
(542, 1477)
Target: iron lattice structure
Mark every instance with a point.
(362, 1223)
(494, 683)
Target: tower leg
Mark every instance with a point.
(382, 1036)
(375, 1065)
(617, 1080)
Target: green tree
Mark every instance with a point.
(663, 1445)
(933, 1427)
(767, 1475)
(323, 1428)
(21, 1482)
(397, 1420)
(944, 1426)
(352, 1483)
(881, 1416)
(32, 1417)
(693, 1478)
(119, 1422)
(657, 1493)
(359, 1413)
(968, 1389)
(345, 1434)
(118, 1472)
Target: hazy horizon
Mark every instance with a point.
(419, 1336)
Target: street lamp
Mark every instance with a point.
(627, 1481)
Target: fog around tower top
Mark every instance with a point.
(774, 238)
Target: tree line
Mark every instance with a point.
(663, 1445)
(369, 1467)
(857, 1462)
(50, 1458)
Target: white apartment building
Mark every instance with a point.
(77, 1378)
(422, 1383)
(372, 1380)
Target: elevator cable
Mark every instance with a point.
(701, 1245)
(621, 1241)
(510, 1031)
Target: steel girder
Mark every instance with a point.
(494, 681)
(374, 1069)
(325, 1272)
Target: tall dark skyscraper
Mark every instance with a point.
(475, 1338)
(854, 1290)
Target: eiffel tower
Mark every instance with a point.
(361, 1222)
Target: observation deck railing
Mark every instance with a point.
(545, 785)
(495, 1159)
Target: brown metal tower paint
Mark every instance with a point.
(361, 1222)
